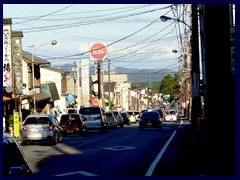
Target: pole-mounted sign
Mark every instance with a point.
(98, 51)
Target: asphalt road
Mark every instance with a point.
(118, 152)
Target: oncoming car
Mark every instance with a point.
(41, 127)
(170, 115)
(150, 119)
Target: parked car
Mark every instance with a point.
(73, 124)
(111, 119)
(131, 116)
(95, 117)
(14, 161)
(41, 127)
(118, 116)
(170, 115)
(150, 119)
(125, 117)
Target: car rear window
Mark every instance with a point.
(37, 120)
(123, 114)
(69, 118)
(130, 113)
(108, 114)
(171, 112)
(150, 114)
(85, 111)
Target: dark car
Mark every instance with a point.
(73, 124)
(150, 119)
(125, 117)
(14, 162)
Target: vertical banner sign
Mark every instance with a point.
(98, 51)
(85, 81)
(7, 55)
(16, 124)
(232, 41)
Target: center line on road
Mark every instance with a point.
(159, 156)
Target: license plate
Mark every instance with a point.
(69, 131)
(35, 130)
(149, 124)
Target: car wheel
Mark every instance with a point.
(61, 139)
(23, 143)
(54, 140)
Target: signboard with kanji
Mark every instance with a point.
(7, 56)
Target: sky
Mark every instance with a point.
(134, 33)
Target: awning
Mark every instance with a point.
(10, 97)
(41, 97)
(50, 89)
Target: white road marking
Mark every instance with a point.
(77, 172)
(119, 148)
(159, 156)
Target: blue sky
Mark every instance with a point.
(138, 38)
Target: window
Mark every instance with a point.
(86, 111)
(37, 120)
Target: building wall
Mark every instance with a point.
(48, 76)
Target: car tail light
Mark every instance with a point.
(51, 127)
(24, 128)
(98, 118)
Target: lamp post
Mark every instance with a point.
(33, 48)
(195, 69)
(166, 18)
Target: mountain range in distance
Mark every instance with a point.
(134, 75)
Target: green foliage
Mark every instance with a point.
(111, 105)
(168, 84)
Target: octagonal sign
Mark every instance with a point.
(98, 51)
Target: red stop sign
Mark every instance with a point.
(98, 51)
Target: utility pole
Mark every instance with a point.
(74, 81)
(78, 84)
(220, 91)
(99, 79)
(109, 99)
(195, 73)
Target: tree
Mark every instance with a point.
(168, 84)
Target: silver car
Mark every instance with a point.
(111, 120)
(41, 127)
(118, 116)
(95, 117)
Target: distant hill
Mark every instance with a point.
(134, 75)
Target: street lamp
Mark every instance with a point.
(166, 18)
(195, 69)
(33, 48)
